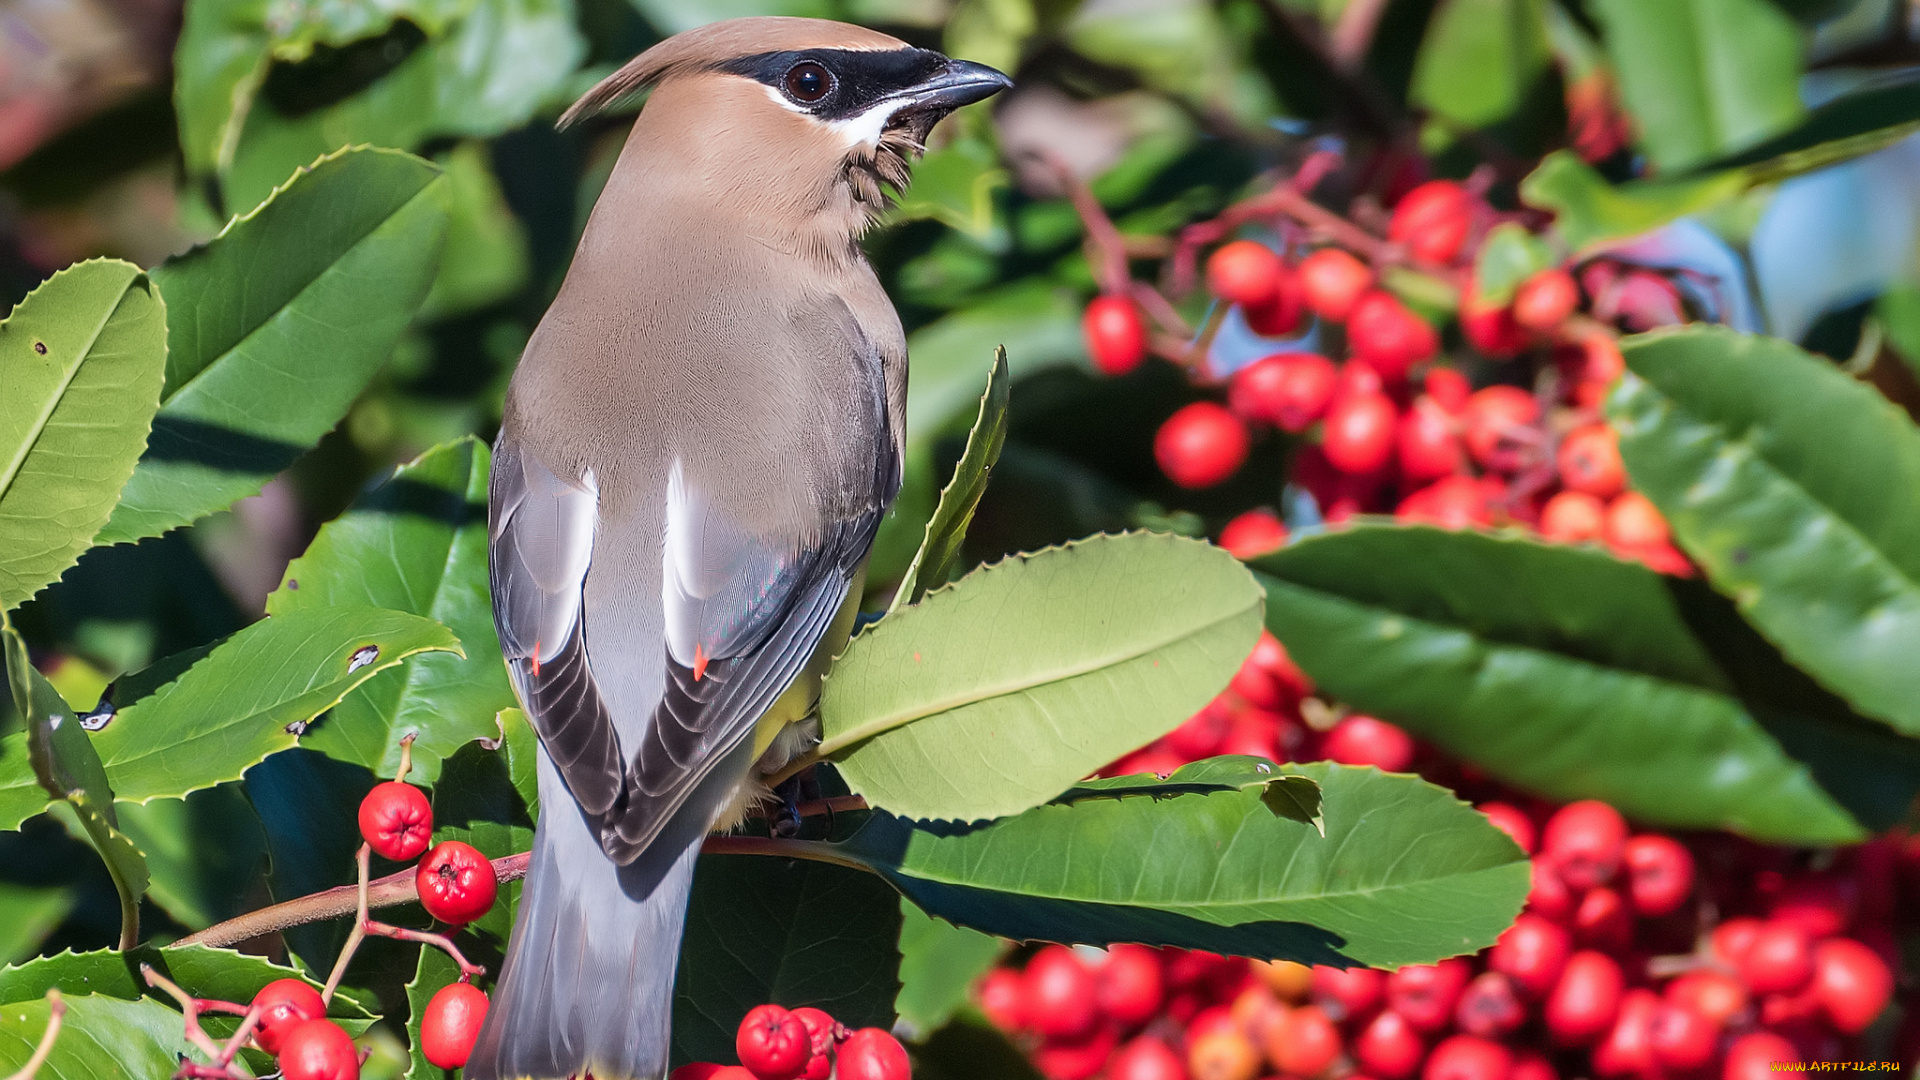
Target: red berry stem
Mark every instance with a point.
(56, 1013)
(423, 937)
(364, 924)
(406, 756)
(219, 1058)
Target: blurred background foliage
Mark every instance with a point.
(135, 128)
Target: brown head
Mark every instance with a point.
(783, 119)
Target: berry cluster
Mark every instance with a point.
(1638, 955)
(804, 1044)
(1399, 426)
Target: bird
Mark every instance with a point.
(697, 446)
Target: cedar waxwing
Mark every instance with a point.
(697, 448)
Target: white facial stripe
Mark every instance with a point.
(865, 128)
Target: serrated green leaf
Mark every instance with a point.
(1406, 873)
(997, 693)
(1480, 59)
(81, 359)
(1588, 211)
(236, 706)
(276, 325)
(1783, 478)
(436, 970)
(417, 543)
(938, 965)
(27, 916)
(99, 1037)
(1572, 674)
(1702, 78)
(939, 553)
(221, 974)
(794, 933)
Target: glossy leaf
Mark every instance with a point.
(27, 916)
(81, 358)
(208, 973)
(1589, 211)
(417, 543)
(997, 693)
(938, 965)
(276, 325)
(793, 933)
(1702, 78)
(939, 555)
(99, 1037)
(1571, 674)
(1406, 873)
(1876, 115)
(1775, 470)
(1481, 59)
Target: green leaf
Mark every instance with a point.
(477, 802)
(417, 543)
(1589, 211)
(1702, 78)
(1784, 479)
(1287, 794)
(968, 1048)
(27, 916)
(955, 185)
(276, 325)
(1898, 310)
(81, 359)
(99, 1037)
(207, 973)
(1406, 873)
(435, 971)
(486, 259)
(70, 772)
(939, 555)
(938, 965)
(204, 852)
(997, 693)
(1877, 115)
(1481, 59)
(248, 696)
(794, 933)
(1509, 256)
(1572, 674)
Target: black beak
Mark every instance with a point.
(958, 82)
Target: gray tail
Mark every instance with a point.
(587, 988)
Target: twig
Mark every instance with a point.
(220, 1061)
(56, 1012)
(365, 925)
(358, 934)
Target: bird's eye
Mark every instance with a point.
(809, 82)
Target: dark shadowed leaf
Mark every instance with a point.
(939, 553)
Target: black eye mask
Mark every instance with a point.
(858, 78)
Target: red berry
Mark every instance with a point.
(1271, 657)
(1455, 502)
(283, 1004)
(1467, 1057)
(1681, 1037)
(1754, 1055)
(1532, 952)
(1199, 735)
(1489, 1007)
(773, 1044)
(1718, 997)
(1362, 740)
(1116, 338)
(1348, 993)
(1602, 361)
(1433, 220)
(451, 1024)
(1222, 1055)
(1333, 280)
(1200, 445)
(1543, 301)
(1389, 1048)
(1448, 388)
(1426, 993)
(1304, 1042)
(873, 1054)
(317, 1050)
(1244, 272)
(1585, 1001)
(705, 1070)
(1548, 896)
(1529, 1065)
(1287, 390)
(1589, 461)
(1821, 905)
(1511, 820)
(1732, 938)
(1131, 984)
(1778, 961)
(1659, 874)
(1060, 994)
(1490, 328)
(1497, 424)
(457, 884)
(1572, 517)
(1279, 314)
(731, 1072)
(1358, 435)
(1253, 534)
(1851, 982)
(821, 1032)
(1585, 840)
(1146, 1058)
(1633, 524)
(1429, 449)
(1002, 997)
(1388, 337)
(396, 821)
(1628, 1047)
(1601, 920)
